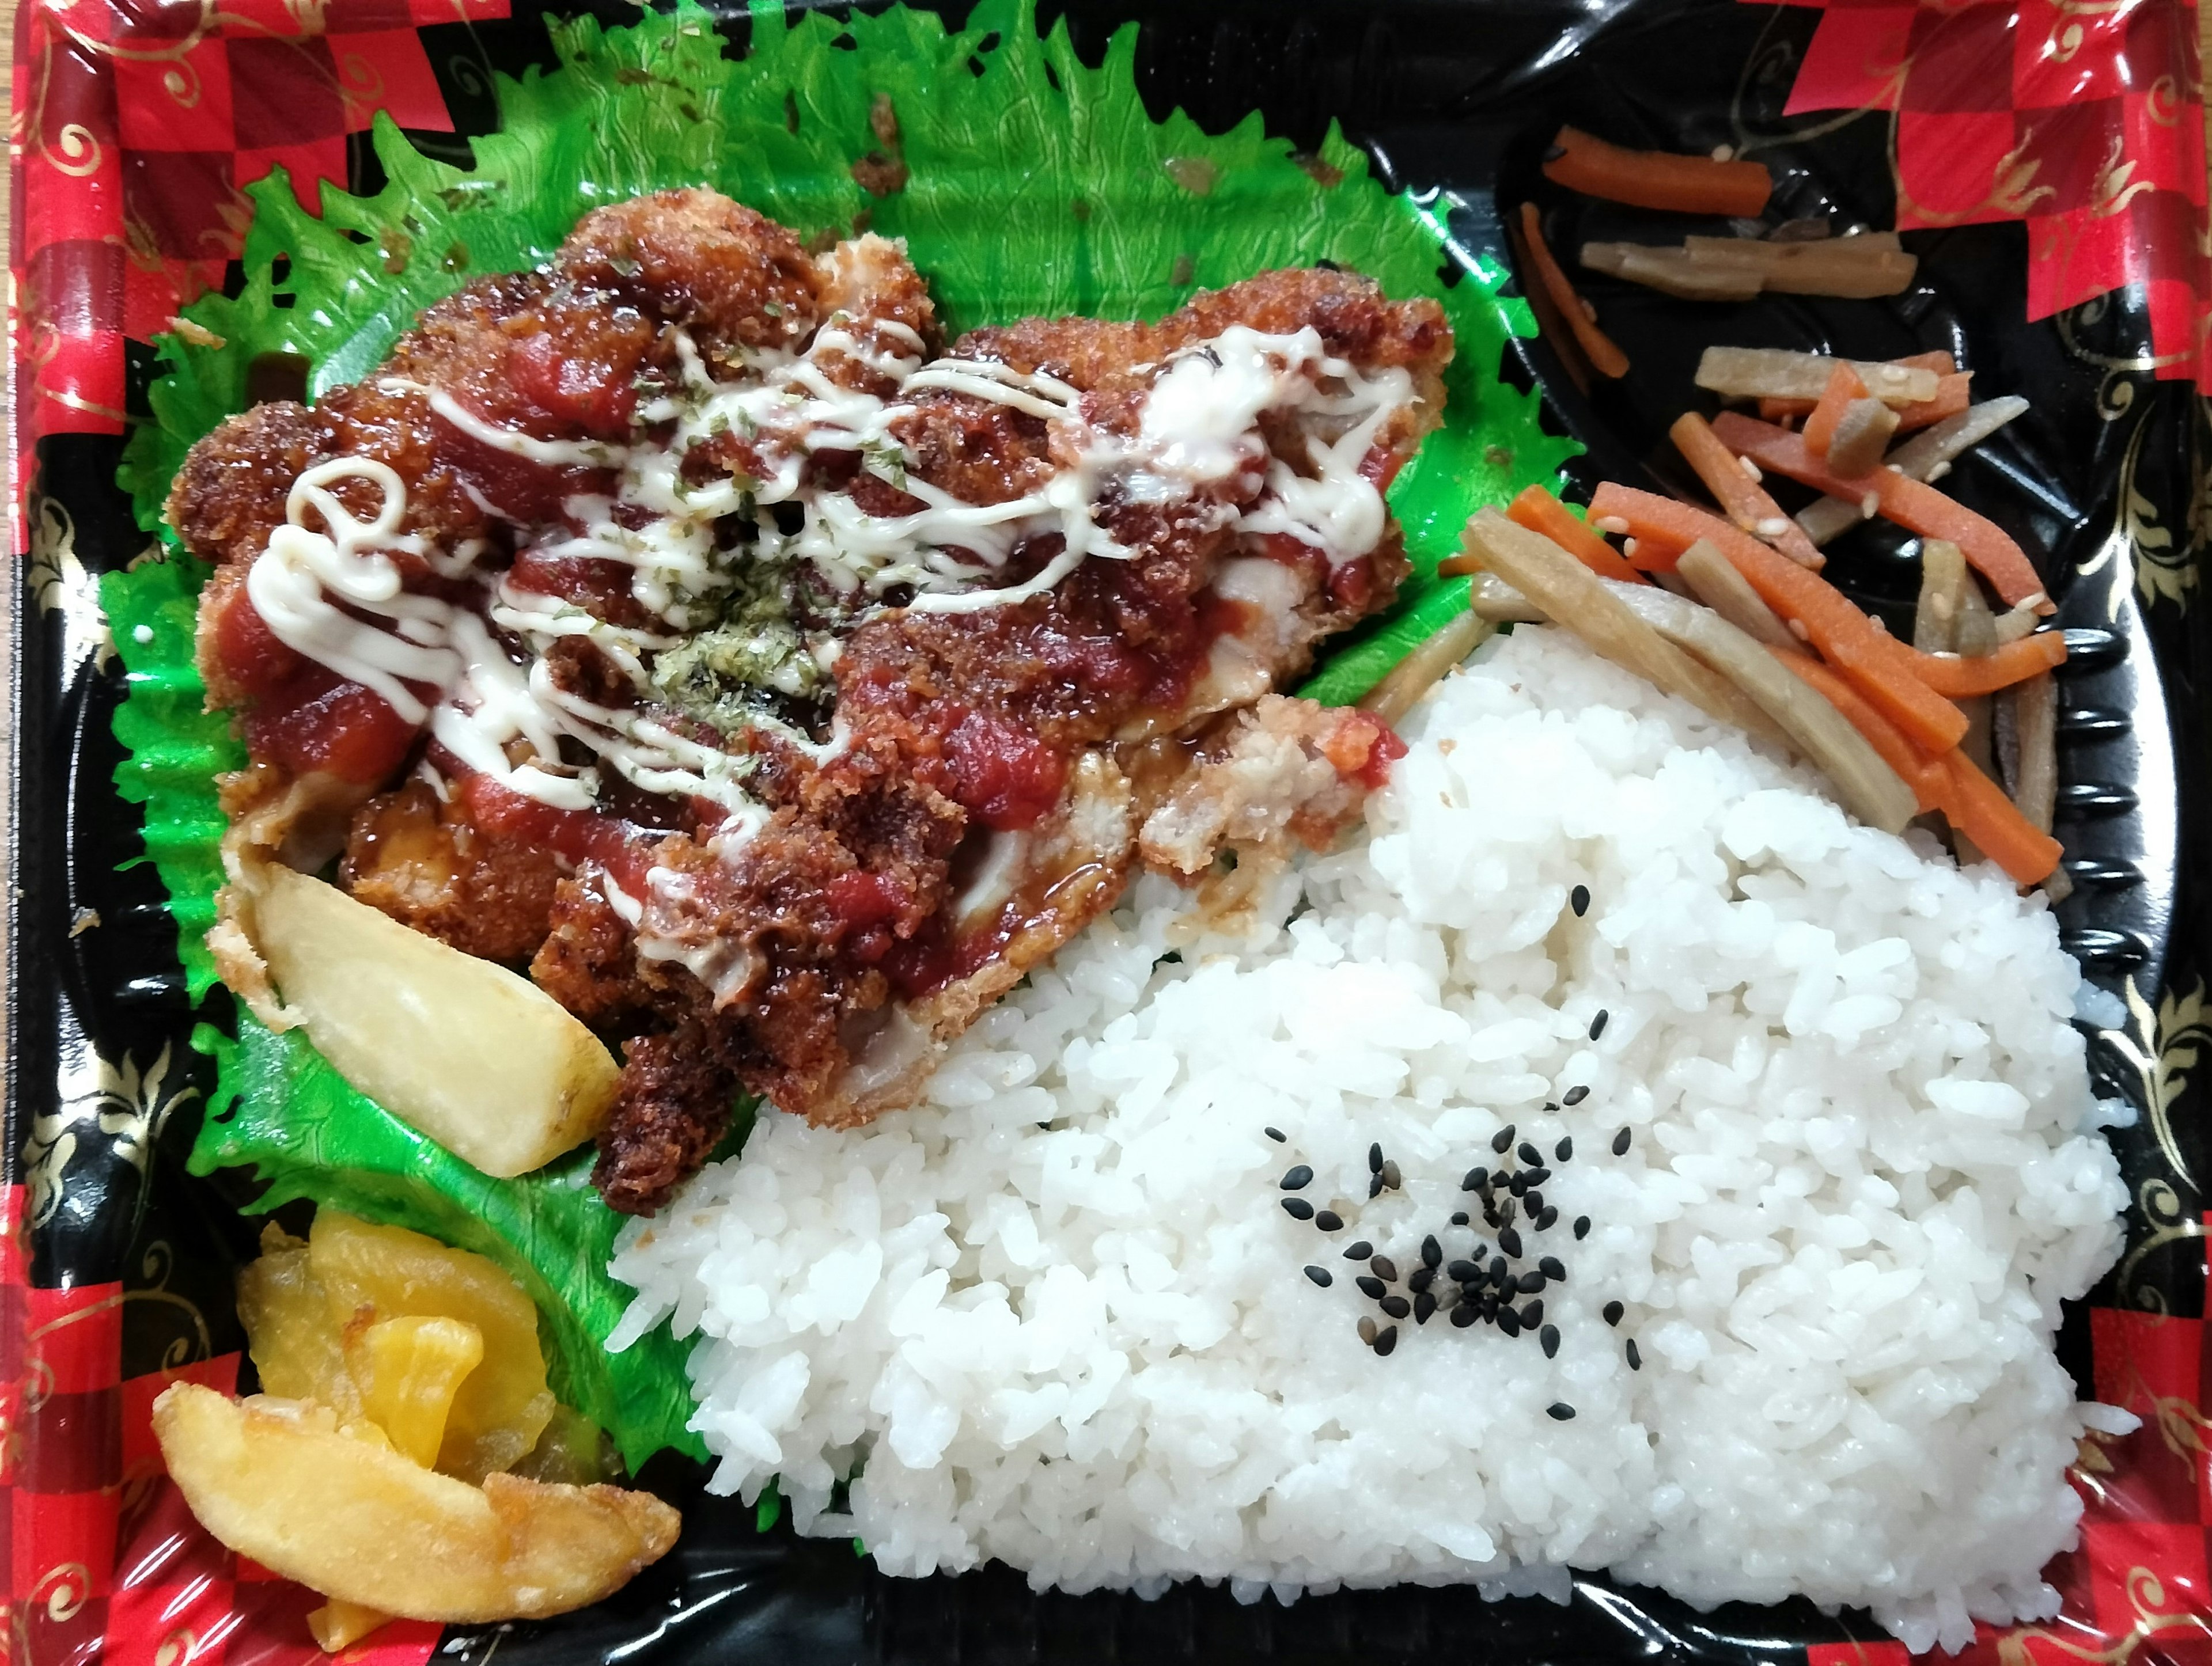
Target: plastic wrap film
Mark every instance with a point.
(2045, 163)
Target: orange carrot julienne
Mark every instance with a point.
(1949, 782)
(1921, 508)
(1743, 498)
(1978, 808)
(1657, 180)
(1786, 410)
(1960, 677)
(1952, 392)
(1878, 665)
(1606, 358)
(1926, 779)
(1819, 429)
(1539, 511)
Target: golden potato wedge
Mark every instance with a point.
(370, 1274)
(409, 1370)
(277, 1480)
(479, 1059)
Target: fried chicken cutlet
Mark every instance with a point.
(687, 621)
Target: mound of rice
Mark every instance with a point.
(1057, 1317)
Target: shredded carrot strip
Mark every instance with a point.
(1926, 779)
(1743, 498)
(1949, 782)
(1878, 666)
(1953, 393)
(1539, 511)
(1657, 179)
(1921, 508)
(1606, 358)
(1978, 808)
(1819, 429)
(1964, 675)
(1786, 410)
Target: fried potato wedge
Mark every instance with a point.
(279, 1482)
(479, 1059)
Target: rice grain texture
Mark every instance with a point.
(1058, 1317)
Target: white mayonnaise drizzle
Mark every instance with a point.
(291, 584)
(335, 594)
(666, 928)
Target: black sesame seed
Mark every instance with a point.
(1386, 1340)
(1547, 1217)
(1530, 1282)
(1528, 1154)
(1581, 1228)
(1578, 900)
(1329, 1221)
(1509, 1321)
(1390, 1176)
(1385, 1268)
(1613, 1309)
(1275, 1134)
(1465, 1315)
(1420, 1279)
(1635, 1359)
(1574, 1095)
(1532, 1313)
(1533, 1202)
(1396, 1306)
(1554, 1269)
(1559, 1411)
(1509, 1241)
(1425, 1305)
(1464, 1271)
(1498, 1271)
(1516, 1183)
(1620, 1144)
(1549, 1338)
(1297, 1178)
(1322, 1276)
(1366, 1328)
(1598, 1023)
(1370, 1286)
(1535, 1176)
(1298, 1208)
(1564, 1151)
(1459, 1218)
(1505, 1214)
(1375, 1186)
(1375, 1158)
(1360, 1250)
(1476, 1179)
(1501, 1141)
(1479, 1253)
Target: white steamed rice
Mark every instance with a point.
(1056, 1317)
